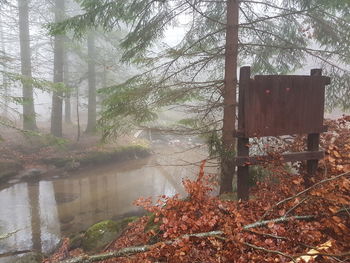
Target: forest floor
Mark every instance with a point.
(285, 221)
(31, 155)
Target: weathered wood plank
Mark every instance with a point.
(287, 157)
(313, 141)
(242, 143)
(284, 104)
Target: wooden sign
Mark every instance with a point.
(279, 105)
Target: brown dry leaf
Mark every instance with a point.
(336, 154)
(334, 210)
(331, 159)
(313, 253)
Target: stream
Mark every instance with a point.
(44, 211)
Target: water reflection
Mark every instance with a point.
(46, 210)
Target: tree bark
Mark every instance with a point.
(91, 125)
(29, 120)
(35, 220)
(4, 76)
(67, 97)
(229, 94)
(56, 112)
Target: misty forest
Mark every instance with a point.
(174, 131)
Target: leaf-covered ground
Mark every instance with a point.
(283, 222)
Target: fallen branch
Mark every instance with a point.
(304, 191)
(14, 253)
(277, 220)
(271, 251)
(139, 249)
(133, 250)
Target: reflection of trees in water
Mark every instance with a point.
(46, 209)
(35, 222)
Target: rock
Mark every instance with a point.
(76, 240)
(30, 258)
(101, 234)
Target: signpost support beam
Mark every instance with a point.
(242, 143)
(313, 142)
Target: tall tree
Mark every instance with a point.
(29, 120)
(91, 125)
(229, 94)
(5, 87)
(67, 95)
(273, 36)
(57, 97)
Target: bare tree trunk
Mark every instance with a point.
(67, 97)
(29, 121)
(78, 117)
(91, 125)
(4, 67)
(230, 100)
(56, 112)
(35, 221)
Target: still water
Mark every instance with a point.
(44, 211)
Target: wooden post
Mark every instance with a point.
(313, 141)
(242, 143)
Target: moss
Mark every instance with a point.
(102, 233)
(9, 169)
(76, 240)
(153, 227)
(99, 235)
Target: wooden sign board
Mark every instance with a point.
(283, 105)
(279, 105)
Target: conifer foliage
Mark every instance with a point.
(274, 37)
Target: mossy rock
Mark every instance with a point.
(154, 227)
(103, 233)
(76, 240)
(9, 169)
(30, 258)
(125, 221)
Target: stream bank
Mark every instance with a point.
(39, 155)
(67, 202)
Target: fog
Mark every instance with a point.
(106, 102)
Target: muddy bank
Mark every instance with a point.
(19, 170)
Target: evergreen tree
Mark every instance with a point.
(273, 36)
(67, 97)
(91, 125)
(57, 97)
(29, 120)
